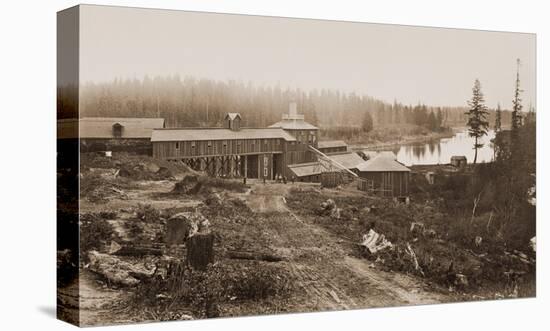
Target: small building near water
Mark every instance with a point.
(387, 176)
(458, 161)
(313, 171)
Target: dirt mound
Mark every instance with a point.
(195, 185)
(144, 171)
(135, 167)
(98, 186)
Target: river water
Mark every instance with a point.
(439, 151)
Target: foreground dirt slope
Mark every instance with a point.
(328, 274)
(325, 273)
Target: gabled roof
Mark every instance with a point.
(372, 154)
(382, 163)
(348, 160)
(198, 134)
(102, 127)
(294, 124)
(232, 116)
(331, 144)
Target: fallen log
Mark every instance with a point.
(118, 271)
(127, 249)
(138, 251)
(239, 255)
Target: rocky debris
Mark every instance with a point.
(186, 184)
(414, 259)
(213, 200)
(461, 281)
(114, 247)
(430, 233)
(328, 205)
(183, 225)
(164, 173)
(328, 208)
(97, 187)
(478, 240)
(375, 242)
(117, 271)
(520, 256)
(144, 171)
(418, 229)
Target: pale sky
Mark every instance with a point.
(409, 64)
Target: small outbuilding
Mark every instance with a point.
(332, 146)
(387, 176)
(458, 161)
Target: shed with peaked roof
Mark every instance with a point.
(459, 161)
(332, 146)
(390, 178)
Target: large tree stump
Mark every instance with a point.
(200, 250)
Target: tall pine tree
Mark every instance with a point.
(477, 117)
(498, 119)
(516, 107)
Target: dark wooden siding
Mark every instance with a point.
(389, 184)
(334, 149)
(192, 149)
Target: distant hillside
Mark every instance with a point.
(201, 102)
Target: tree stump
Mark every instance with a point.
(200, 250)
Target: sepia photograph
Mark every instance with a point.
(221, 165)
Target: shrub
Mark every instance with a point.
(147, 213)
(94, 232)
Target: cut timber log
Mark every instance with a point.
(118, 271)
(238, 255)
(138, 251)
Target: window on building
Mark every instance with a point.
(265, 172)
(117, 130)
(177, 145)
(209, 143)
(193, 144)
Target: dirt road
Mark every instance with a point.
(327, 273)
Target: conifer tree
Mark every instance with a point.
(477, 117)
(516, 106)
(498, 119)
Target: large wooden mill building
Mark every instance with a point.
(235, 151)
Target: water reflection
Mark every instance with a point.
(440, 151)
